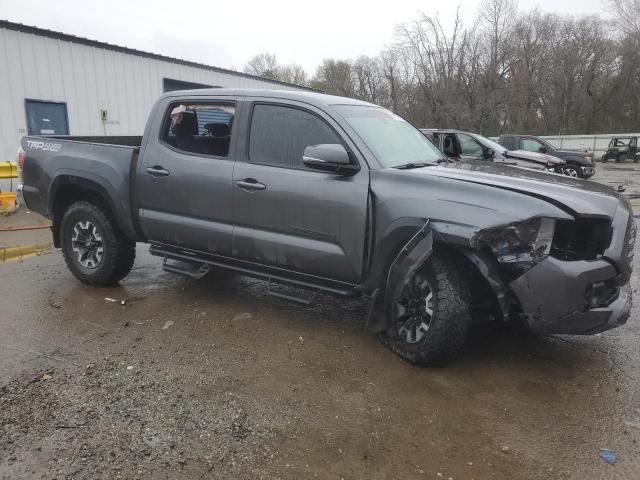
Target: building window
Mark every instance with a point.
(280, 134)
(199, 128)
(46, 118)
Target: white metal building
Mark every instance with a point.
(54, 83)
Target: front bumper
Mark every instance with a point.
(588, 171)
(556, 297)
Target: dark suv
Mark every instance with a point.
(579, 163)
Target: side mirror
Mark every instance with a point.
(542, 150)
(488, 153)
(329, 157)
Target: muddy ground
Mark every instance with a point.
(214, 379)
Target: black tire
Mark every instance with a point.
(449, 323)
(118, 252)
(572, 170)
(604, 158)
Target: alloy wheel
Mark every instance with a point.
(87, 244)
(414, 310)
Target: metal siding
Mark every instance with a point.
(89, 79)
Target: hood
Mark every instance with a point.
(578, 197)
(571, 151)
(534, 157)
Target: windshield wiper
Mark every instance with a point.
(410, 165)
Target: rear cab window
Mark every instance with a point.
(199, 128)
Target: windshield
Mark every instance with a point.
(496, 147)
(393, 140)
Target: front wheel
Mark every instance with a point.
(94, 248)
(429, 317)
(571, 170)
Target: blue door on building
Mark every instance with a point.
(46, 118)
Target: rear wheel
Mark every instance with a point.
(94, 248)
(604, 158)
(430, 316)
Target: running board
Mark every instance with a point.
(190, 269)
(291, 298)
(199, 262)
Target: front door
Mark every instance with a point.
(470, 148)
(287, 216)
(185, 177)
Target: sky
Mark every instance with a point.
(228, 33)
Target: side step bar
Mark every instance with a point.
(291, 298)
(190, 269)
(198, 266)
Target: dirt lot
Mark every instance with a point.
(214, 379)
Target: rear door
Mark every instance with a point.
(288, 216)
(185, 173)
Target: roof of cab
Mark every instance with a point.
(313, 98)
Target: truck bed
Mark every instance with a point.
(121, 140)
(103, 163)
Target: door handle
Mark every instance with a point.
(158, 171)
(251, 185)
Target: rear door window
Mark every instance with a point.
(279, 134)
(203, 129)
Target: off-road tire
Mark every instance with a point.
(119, 252)
(451, 319)
(604, 159)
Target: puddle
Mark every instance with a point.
(20, 252)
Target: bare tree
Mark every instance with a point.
(628, 14)
(263, 65)
(266, 65)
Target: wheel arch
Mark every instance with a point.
(408, 249)
(68, 189)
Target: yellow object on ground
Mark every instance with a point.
(19, 252)
(7, 201)
(8, 170)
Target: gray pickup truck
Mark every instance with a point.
(340, 196)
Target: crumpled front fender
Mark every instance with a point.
(412, 255)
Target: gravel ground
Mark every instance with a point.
(214, 379)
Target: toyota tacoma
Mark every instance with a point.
(336, 195)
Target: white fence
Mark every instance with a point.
(596, 143)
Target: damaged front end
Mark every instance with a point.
(560, 276)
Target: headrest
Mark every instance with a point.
(218, 129)
(188, 125)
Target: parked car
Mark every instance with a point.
(621, 149)
(339, 196)
(458, 145)
(579, 164)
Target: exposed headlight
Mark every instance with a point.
(525, 242)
